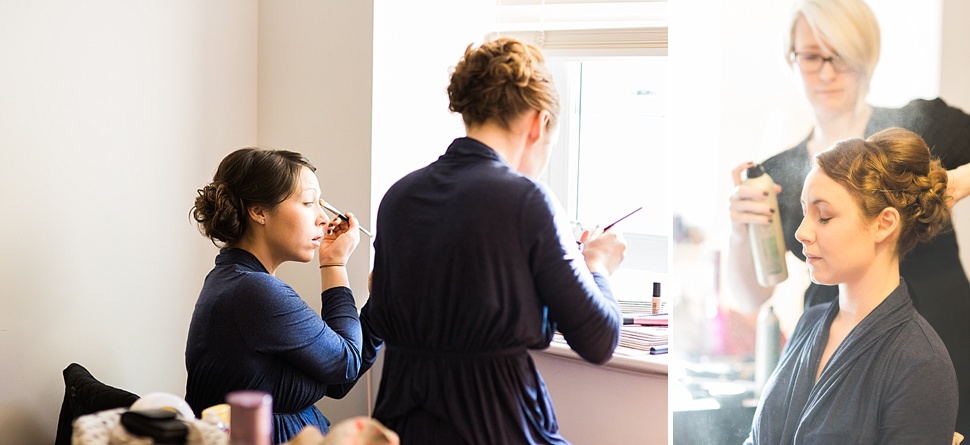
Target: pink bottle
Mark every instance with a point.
(251, 417)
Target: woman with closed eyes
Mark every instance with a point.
(865, 368)
(833, 47)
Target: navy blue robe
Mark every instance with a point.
(250, 330)
(473, 266)
(889, 382)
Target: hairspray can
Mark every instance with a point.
(767, 241)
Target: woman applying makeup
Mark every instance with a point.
(252, 331)
(865, 368)
(474, 265)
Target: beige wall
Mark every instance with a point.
(315, 63)
(416, 43)
(112, 114)
(955, 89)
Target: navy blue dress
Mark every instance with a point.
(250, 330)
(474, 266)
(937, 282)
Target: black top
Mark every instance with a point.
(889, 382)
(473, 266)
(937, 282)
(250, 330)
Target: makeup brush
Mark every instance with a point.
(332, 209)
(621, 219)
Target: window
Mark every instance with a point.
(612, 157)
(609, 60)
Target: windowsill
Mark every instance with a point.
(644, 364)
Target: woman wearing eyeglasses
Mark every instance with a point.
(833, 48)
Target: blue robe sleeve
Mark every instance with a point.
(326, 349)
(579, 302)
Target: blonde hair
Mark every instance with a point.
(500, 80)
(848, 26)
(892, 168)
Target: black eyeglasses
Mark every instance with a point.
(812, 62)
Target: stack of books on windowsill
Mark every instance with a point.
(643, 332)
(635, 340)
(641, 340)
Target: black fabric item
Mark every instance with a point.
(84, 394)
(161, 425)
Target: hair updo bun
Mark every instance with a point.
(893, 168)
(499, 81)
(219, 213)
(246, 177)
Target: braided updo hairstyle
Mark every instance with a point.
(893, 168)
(246, 177)
(499, 81)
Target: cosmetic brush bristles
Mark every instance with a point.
(326, 205)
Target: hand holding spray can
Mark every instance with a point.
(767, 241)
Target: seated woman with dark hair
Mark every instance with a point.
(252, 331)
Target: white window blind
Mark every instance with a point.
(584, 24)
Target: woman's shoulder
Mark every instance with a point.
(921, 106)
(945, 128)
(798, 151)
(912, 349)
(791, 164)
(922, 115)
(922, 341)
(250, 286)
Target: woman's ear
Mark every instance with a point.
(257, 214)
(537, 126)
(887, 224)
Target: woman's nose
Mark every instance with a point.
(803, 233)
(827, 70)
(322, 217)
